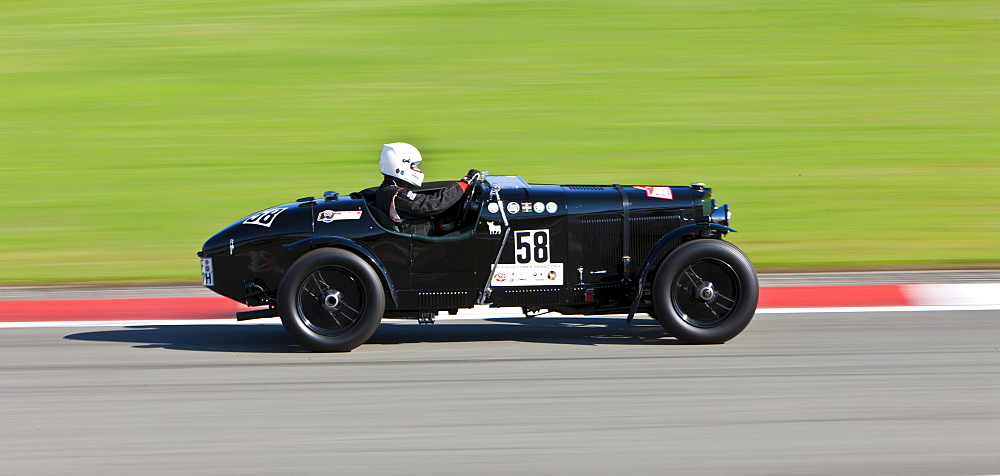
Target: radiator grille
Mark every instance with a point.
(602, 243)
(646, 231)
(602, 238)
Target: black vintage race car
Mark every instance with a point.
(333, 267)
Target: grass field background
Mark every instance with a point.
(843, 133)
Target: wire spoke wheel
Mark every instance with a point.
(331, 300)
(705, 292)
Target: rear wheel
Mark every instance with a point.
(705, 292)
(331, 300)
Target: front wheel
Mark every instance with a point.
(331, 300)
(705, 292)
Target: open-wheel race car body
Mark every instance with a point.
(333, 267)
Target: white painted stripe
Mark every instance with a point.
(971, 294)
(821, 310)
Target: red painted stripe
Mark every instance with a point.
(210, 307)
(833, 296)
(218, 307)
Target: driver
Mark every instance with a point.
(398, 196)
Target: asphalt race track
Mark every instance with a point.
(870, 392)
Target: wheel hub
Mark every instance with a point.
(332, 300)
(704, 291)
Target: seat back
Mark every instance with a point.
(367, 197)
(382, 218)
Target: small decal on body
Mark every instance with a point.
(493, 207)
(513, 208)
(327, 216)
(657, 192)
(264, 217)
(534, 274)
(207, 272)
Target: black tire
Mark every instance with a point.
(331, 300)
(705, 292)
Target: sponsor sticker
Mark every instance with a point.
(493, 207)
(207, 272)
(657, 192)
(326, 216)
(531, 274)
(513, 208)
(551, 207)
(264, 217)
(494, 228)
(538, 207)
(525, 207)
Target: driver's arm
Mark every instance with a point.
(412, 205)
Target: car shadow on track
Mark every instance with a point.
(256, 338)
(271, 338)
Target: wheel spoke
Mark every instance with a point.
(720, 295)
(334, 316)
(692, 276)
(725, 302)
(723, 307)
(320, 283)
(310, 292)
(349, 318)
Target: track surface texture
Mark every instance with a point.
(838, 393)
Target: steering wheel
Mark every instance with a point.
(472, 202)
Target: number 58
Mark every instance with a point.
(532, 246)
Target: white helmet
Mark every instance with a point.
(402, 160)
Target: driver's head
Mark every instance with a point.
(402, 161)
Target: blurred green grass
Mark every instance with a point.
(843, 133)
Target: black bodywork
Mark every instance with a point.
(573, 249)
